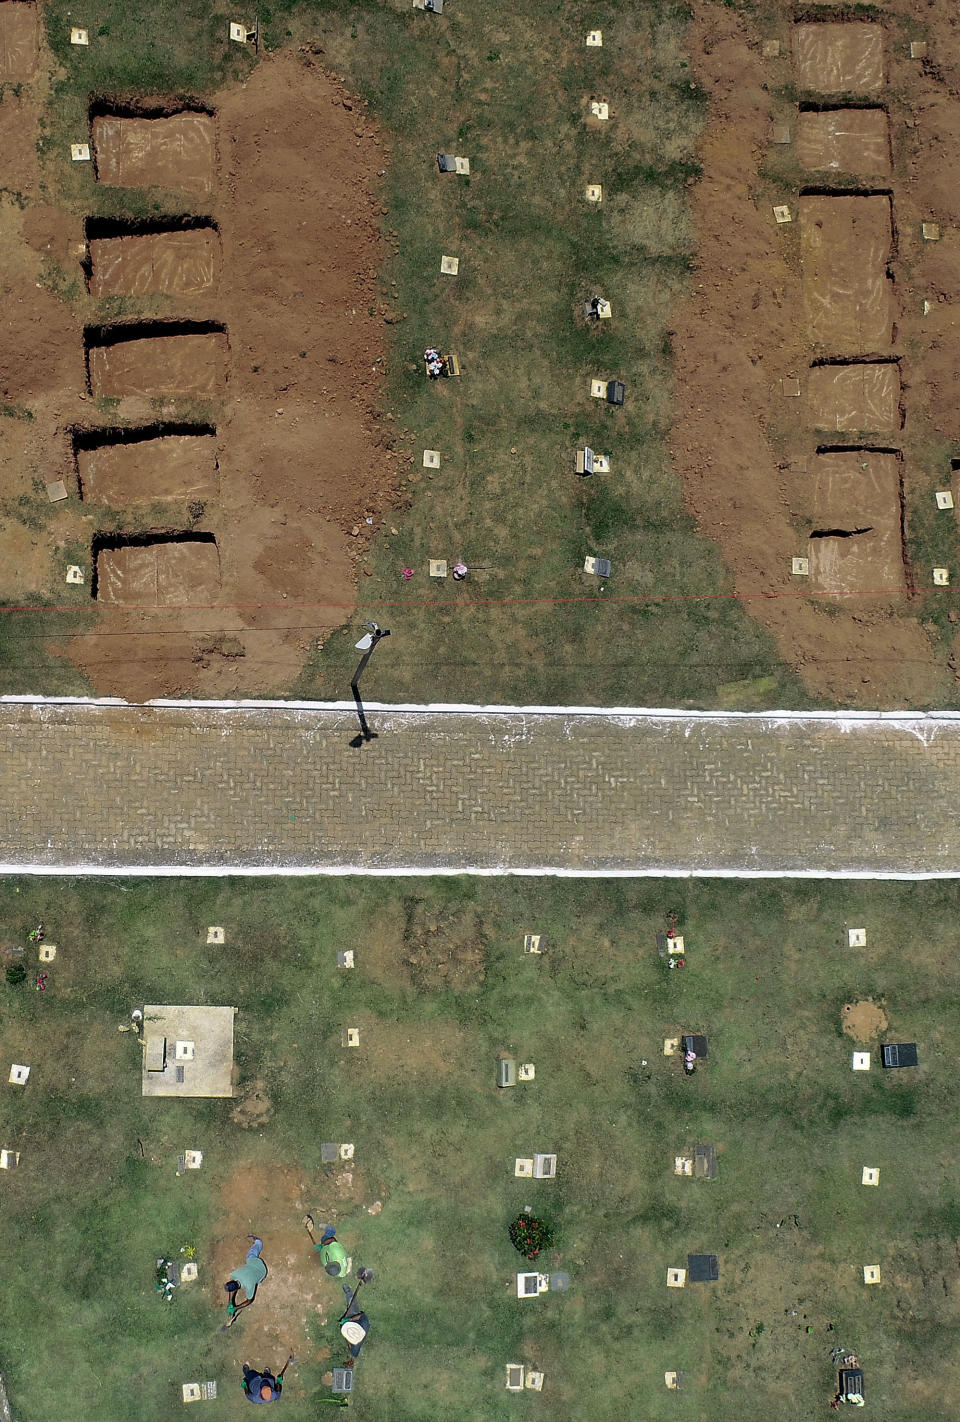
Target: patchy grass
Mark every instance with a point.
(97, 1199)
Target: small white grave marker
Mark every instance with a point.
(78, 36)
(9, 1159)
(941, 577)
(192, 1392)
(438, 567)
(783, 214)
(216, 935)
(918, 49)
(345, 959)
(74, 574)
(351, 1037)
(527, 1071)
(676, 1278)
(930, 231)
(544, 1167)
(871, 1273)
(431, 459)
(675, 945)
(18, 1075)
(599, 111)
(80, 152)
(944, 499)
(598, 389)
(193, 1159)
(189, 1273)
(533, 1382)
(515, 1375)
(595, 39)
(241, 33)
(48, 951)
(523, 1167)
(856, 938)
(56, 490)
(683, 1165)
(462, 166)
(450, 265)
(594, 192)
(185, 1051)
(870, 1176)
(861, 1061)
(531, 943)
(346, 1150)
(604, 310)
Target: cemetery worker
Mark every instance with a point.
(263, 1386)
(248, 1278)
(333, 1256)
(355, 1330)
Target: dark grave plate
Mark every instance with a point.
(560, 1282)
(329, 1152)
(446, 162)
(851, 1382)
(899, 1054)
(616, 392)
(705, 1162)
(342, 1380)
(694, 1043)
(702, 1268)
(603, 567)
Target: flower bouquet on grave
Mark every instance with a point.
(529, 1234)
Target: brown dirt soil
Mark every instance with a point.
(444, 949)
(271, 1201)
(745, 452)
(302, 462)
(863, 1020)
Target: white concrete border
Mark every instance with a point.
(300, 871)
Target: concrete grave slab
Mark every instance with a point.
(56, 491)
(210, 1071)
(19, 1075)
(177, 151)
(9, 1159)
(676, 1278)
(871, 1273)
(19, 41)
(856, 938)
(846, 245)
(844, 58)
(863, 397)
(870, 1176)
(944, 499)
(941, 577)
(851, 140)
(861, 1061)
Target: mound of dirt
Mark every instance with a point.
(254, 1107)
(443, 949)
(863, 1020)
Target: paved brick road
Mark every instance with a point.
(279, 787)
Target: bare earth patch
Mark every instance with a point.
(863, 1020)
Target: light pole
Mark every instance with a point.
(367, 645)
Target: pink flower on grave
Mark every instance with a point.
(407, 574)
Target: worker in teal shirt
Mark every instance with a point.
(248, 1278)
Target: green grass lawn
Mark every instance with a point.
(440, 987)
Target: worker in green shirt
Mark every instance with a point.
(333, 1256)
(248, 1278)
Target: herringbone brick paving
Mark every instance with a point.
(271, 788)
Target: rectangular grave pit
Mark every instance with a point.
(175, 256)
(841, 58)
(147, 147)
(849, 140)
(846, 243)
(855, 397)
(157, 358)
(162, 569)
(146, 464)
(857, 542)
(19, 40)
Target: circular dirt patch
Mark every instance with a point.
(862, 1020)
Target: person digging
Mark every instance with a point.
(264, 1386)
(333, 1256)
(248, 1278)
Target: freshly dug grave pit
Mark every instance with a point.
(19, 40)
(157, 358)
(860, 396)
(176, 150)
(857, 541)
(841, 58)
(845, 140)
(177, 262)
(141, 466)
(156, 570)
(845, 245)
